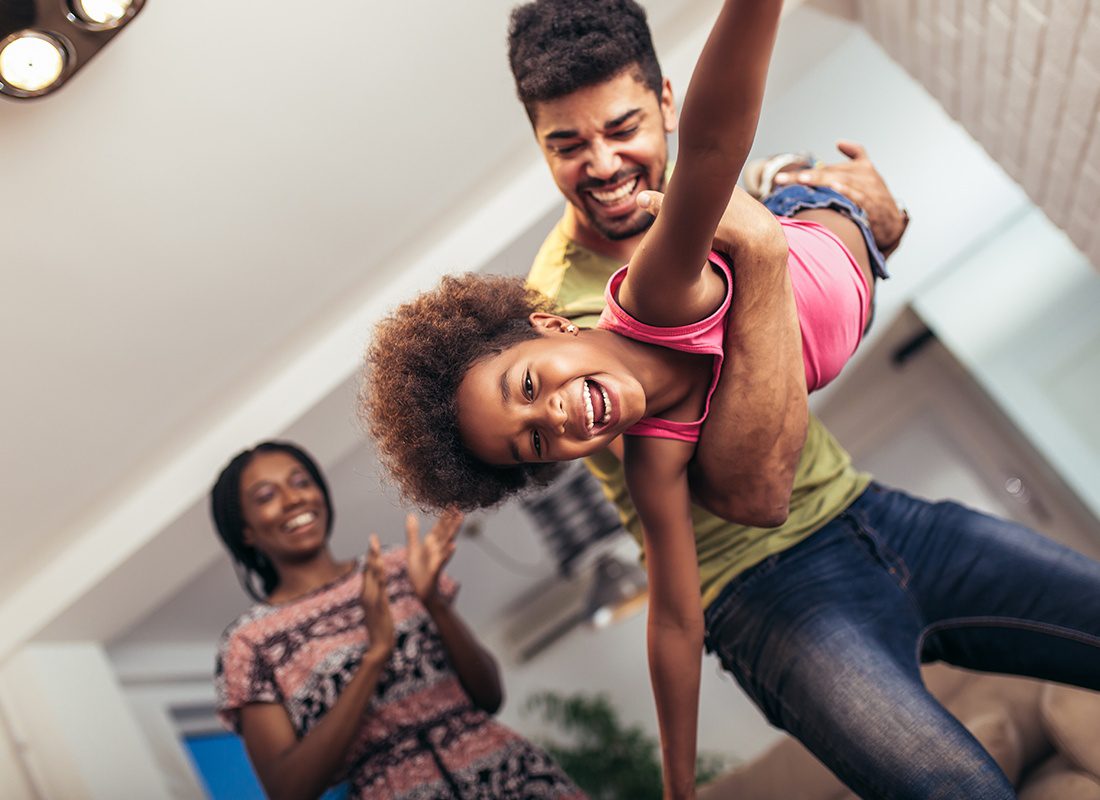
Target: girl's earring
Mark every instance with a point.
(571, 329)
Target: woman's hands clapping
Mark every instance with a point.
(427, 558)
(376, 604)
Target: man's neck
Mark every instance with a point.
(576, 227)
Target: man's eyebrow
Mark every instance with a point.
(572, 133)
(515, 451)
(622, 118)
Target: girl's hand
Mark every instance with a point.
(376, 604)
(427, 558)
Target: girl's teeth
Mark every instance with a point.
(606, 407)
(588, 405)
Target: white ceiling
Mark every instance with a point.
(221, 195)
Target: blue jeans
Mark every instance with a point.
(827, 636)
(789, 200)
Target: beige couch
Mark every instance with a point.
(1046, 738)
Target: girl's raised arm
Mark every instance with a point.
(717, 126)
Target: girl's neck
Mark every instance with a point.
(298, 578)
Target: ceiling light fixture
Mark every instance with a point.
(31, 62)
(108, 13)
(44, 42)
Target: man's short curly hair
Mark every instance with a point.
(415, 362)
(556, 47)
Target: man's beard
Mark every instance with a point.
(638, 223)
(641, 225)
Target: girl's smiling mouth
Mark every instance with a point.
(597, 406)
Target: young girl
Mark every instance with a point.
(476, 390)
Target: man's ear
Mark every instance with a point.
(668, 106)
(545, 322)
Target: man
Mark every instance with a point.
(824, 612)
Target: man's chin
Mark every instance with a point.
(626, 228)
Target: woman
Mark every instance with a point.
(356, 670)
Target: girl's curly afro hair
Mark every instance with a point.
(416, 360)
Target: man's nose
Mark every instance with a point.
(605, 160)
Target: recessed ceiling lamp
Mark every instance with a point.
(31, 62)
(43, 42)
(109, 13)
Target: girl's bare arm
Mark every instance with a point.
(668, 282)
(657, 478)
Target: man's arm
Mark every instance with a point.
(750, 446)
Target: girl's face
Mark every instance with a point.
(556, 397)
(284, 510)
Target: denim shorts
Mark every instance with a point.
(789, 200)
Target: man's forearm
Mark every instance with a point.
(751, 443)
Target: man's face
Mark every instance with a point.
(604, 144)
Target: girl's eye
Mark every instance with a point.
(536, 442)
(528, 386)
(263, 498)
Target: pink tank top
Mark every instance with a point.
(830, 294)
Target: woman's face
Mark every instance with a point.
(556, 397)
(284, 509)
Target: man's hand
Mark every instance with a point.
(859, 181)
(427, 558)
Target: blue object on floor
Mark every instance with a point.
(223, 766)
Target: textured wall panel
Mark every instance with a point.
(1023, 77)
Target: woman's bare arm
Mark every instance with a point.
(293, 769)
(475, 666)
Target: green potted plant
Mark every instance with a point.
(606, 758)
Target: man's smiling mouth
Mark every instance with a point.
(616, 195)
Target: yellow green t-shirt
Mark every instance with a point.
(825, 482)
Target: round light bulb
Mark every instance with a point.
(31, 62)
(103, 12)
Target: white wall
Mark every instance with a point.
(80, 739)
(13, 774)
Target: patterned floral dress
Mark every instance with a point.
(421, 738)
